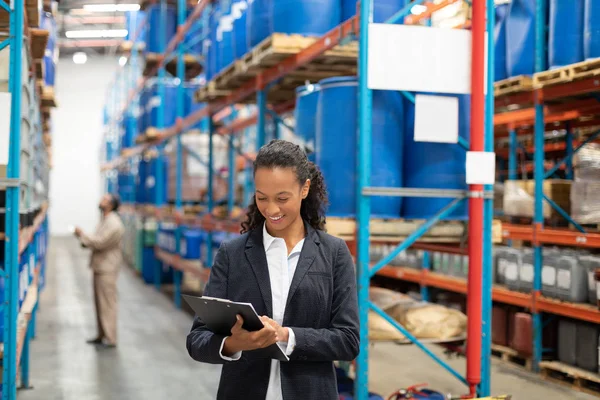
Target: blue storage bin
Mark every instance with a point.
(565, 36)
(154, 32)
(336, 139)
(191, 107)
(304, 17)
(225, 42)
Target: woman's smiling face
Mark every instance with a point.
(279, 197)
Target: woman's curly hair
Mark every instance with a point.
(283, 154)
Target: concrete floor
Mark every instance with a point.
(151, 361)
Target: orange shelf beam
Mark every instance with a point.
(564, 237)
(584, 312)
(431, 8)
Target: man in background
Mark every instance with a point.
(106, 258)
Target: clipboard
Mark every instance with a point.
(219, 315)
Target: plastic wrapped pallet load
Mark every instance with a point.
(519, 199)
(585, 191)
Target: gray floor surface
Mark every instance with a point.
(151, 362)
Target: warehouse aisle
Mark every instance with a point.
(151, 362)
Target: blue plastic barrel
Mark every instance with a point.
(520, 38)
(382, 9)
(336, 137)
(212, 45)
(240, 45)
(565, 36)
(154, 33)
(434, 166)
(192, 107)
(192, 40)
(591, 37)
(304, 17)
(191, 244)
(136, 28)
(140, 187)
(47, 22)
(225, 42)
(305, 114)
(500, 42)
(129, 131)
(150, 183)
(154, 101)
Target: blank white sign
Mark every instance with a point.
(5, 107)
(419, 59)
(436, 119)
(481, 168)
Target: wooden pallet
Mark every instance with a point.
(516, 84)
(48, 98)
(512, 356)
(33, 16)
(193, 66)
(575, 378)
(127, 45)
(551, 77)
(339, 61)
(39, 40)
(398, 229)
(39, 70)
(568, 73)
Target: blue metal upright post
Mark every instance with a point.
(211, 176)
(512, 155)
(363, 172)
(231, 177)
(177, 274)
(11, 261)
(426, 267)
(540, 51)
(261, 103)
(160, 124)
(569, 151)
(488, 213)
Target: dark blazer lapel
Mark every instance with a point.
(255, 253)
(307, 256)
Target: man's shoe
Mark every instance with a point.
(95, 341)
(107, 345)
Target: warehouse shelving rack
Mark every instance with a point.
(480, 221)
(19, 325)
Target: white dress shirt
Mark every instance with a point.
(281, 272)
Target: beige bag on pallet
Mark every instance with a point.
(430, 321)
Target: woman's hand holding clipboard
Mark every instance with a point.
(246, 331)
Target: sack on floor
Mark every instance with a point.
(380, 329)
(430, 321)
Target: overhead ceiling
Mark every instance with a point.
(75, 21)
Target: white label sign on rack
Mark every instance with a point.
(5, 107)
(419, 59)
(441, 129)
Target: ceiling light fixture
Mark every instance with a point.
(80, 58)
(98, 33)
(418, 9)
(111, 7)
(122, 61)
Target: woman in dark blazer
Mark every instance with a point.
(298, 278)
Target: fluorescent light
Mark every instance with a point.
(111, 7)
(418, 9)
(122, 61)
(79, 57)
(97, 33)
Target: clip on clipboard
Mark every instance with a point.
(219, 315)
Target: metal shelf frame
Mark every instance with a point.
(480, 206)
(19, 242)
